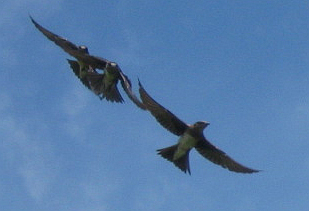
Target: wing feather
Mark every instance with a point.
(166, 118)
(72, 49)
(217, 156)
(126, 85)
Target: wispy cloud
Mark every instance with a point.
(74, 102)
(23, 149)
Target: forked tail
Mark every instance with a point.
(182, 163)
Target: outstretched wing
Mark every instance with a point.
(217, 156)
(66, 45)
(166, 118)
(126, 85)
(72, 49)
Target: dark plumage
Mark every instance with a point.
(77, 71)
(191, 136)
(102, 84)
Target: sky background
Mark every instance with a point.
(241, 65)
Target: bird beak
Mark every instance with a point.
(206, 123)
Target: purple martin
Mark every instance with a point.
(191, 136)
(102, 84)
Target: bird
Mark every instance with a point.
(85, 68)
(82, 75)
(95, 82)
(190, 136)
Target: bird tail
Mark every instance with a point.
(182, 162)
(98, 86)
(95, 81)
(112, 94)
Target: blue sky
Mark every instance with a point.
(241, 65)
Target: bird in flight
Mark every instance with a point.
(85, 68)
(191, 136)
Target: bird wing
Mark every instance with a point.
(217, 156)
(75, 67)
(71, 48)
(126, 85)
(166, 118)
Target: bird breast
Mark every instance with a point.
(185, 143)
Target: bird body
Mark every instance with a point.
(190, 136)
(105, 86)
(102, 84)
(185, 143)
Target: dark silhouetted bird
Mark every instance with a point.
(191, 136)
(102, 84)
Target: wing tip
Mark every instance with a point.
(244, 170)
(33, 21)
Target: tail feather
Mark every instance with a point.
(112, 94)
(97, 84)
(182, 163)
(95, 81)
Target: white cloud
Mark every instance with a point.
(74, 102)
(28, 155)
(37, 177)
(24, 150)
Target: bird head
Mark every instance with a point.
(201, 125)
(113, 64)
(111, 67)
(83, 49)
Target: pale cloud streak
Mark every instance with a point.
(74, 102)
(27, 151)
